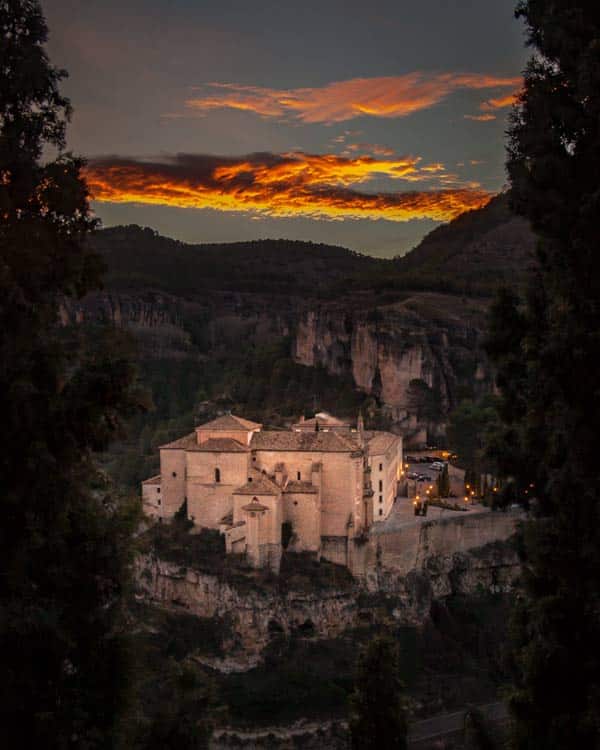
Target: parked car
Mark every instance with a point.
(437, 466)
(424, 478)
(412, 475)
(411, 459)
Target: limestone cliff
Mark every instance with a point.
(432, 338)
(402, 573)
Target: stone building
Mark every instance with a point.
(328, 480)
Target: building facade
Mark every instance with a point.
(328, 480)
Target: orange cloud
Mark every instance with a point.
(317, 186)
(500, 102)
(387, 96)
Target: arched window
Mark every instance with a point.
(217, 475)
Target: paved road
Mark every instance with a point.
(438, 726)
(403, 514)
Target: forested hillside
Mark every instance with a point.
(272, 328)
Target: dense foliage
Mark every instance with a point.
(471, 430)
(64, 548)
(377, 708)
(471, 255)
(547, 353)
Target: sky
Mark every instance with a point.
(363, 124)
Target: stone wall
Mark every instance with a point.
(398, 552)
(341, 487)
(209, 501)
(303, 511)
(172, 469)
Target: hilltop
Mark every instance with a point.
(473, 254)
(489, 246)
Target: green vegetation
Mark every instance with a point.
(377, 707)
(65, 548)
(546, 351)
(174, 703)
(443, 482)
(304, 677)
(204, 551)
(262, 382)
(472, 428)
(451, 259)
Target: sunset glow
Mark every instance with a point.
(388, 96)
(296, 184)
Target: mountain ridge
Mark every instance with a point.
(473, 254)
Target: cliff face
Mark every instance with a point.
(166, 326)
(432, 338)
(402, 573)
(417, 352)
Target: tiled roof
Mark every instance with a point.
(152, 480)
(212, 445)
(379, 442)
(221, 445)
(324, 419)
(183, 443)
(260, 485)
(328, 442)
(301, 488)
(229, 422)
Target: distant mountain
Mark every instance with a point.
(484, 247)
(139, 257)
(473, 254)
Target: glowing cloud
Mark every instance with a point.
(500, 102)
(490, 105)
(317, 186)
(389, 96)
(480, 118)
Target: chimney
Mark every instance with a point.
(360, 426)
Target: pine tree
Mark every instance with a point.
(546, 351)
(443, 482)
(378, 714)
(64, 549)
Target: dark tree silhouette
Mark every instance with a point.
(64, 549)
(547, 352)
(377, 711)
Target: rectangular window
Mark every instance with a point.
(380, 512)
(380, 467)
(158, 501)
(380, 498)
(380, 485)
(299, 476)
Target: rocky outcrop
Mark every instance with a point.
(332, 735)
(405, 571)
(431, 338)
(255, 614)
